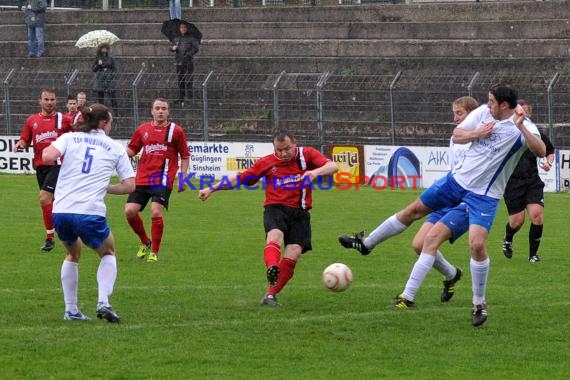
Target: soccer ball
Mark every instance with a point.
(337, 277)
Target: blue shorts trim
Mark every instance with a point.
(456, 219)
(446, 192)
(92, 229)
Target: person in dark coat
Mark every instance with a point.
(35, 19)
(185, 47)
(105, 68)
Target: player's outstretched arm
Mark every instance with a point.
(327, 169)
(50, 154)
(464, 136)
(221, 185)
(534, 143)
(126, 186)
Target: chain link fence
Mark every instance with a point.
(321, 108)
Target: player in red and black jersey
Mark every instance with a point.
(39, 131)
(73, 111)
(161, 142)
(287, 176)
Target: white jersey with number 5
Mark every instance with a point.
(90, 160)
(489, 162)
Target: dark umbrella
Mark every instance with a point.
(171, 29)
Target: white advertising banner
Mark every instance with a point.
(16, 163)
(563, 159)
(399, 167)
(385, 166)
(404, 167)
(218, 159)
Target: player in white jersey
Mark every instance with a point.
(79, 211)
(441, 225)
(498, 134)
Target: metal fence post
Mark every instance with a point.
(320, 110)
(135, 85)
(472, 83)
(70, 80)
(392, 112)
(551, 104)
(205, 103)
(7, 111)
(275, 88)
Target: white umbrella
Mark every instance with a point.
(96, 38)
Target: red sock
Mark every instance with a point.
(156, 233)
(271, 254)
(48, 220)
(137, 225)
(286, 270)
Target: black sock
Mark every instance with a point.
(510, 232)
(534, 236)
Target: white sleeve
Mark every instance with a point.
(531, 127)
(475, 118)
(124, 167)
(61, 143)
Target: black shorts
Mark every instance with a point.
(47, 177)
(295, 223)
(142, 194)
(522, 192)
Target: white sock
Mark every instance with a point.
(390, 227)
(479, 275)
(106, 275)
(69, 281)
(419, 273)
(444, 267)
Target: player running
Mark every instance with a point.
(161, 142)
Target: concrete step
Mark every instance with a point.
(451, 11)
(453, 30)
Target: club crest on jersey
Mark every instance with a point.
(145, 136)
(35, 126)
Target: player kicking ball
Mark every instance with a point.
(288, 174)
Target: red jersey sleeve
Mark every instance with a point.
(26, 133)
(315, 159)
(181, 143)
(67, 123)
(136, 143)
(253, 174)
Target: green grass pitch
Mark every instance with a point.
(195, 313)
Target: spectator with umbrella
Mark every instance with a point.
(185, 44)
(105, 68)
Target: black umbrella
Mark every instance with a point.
(171, 29)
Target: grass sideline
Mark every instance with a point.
(195, 313)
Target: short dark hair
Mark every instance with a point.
(504, 92)
(160, 100)
(49, 90)
(281, 135)
(71, 97)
